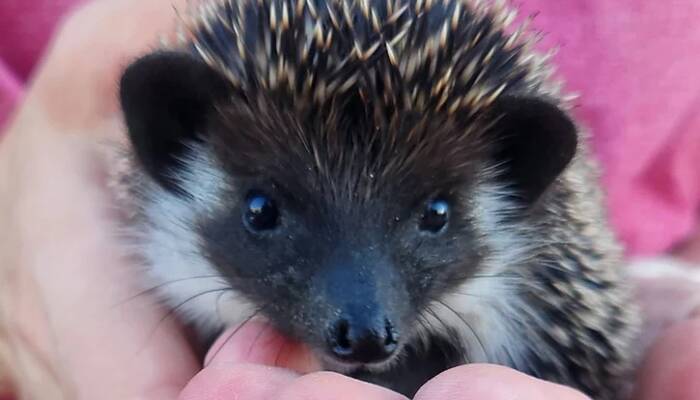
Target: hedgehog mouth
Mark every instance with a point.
(331, 362)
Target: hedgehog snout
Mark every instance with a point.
(361, 310)
(361, 336)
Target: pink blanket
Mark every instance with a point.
(635, 63)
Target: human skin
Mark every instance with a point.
(65, 279)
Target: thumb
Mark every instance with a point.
(257, 342)
(494, 382)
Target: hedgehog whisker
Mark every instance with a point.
(445, 326)
(470, 295)
(279, 354)
(461, 318)
(161, 285)
(264, 328)
(200, 294)
(172, 312)
(497, 276)
(238, 328)
(425, 324)
(218, 305)
(420, 318)
(437, 318)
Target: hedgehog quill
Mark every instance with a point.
(399, 184)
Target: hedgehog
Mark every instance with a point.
(399, 184)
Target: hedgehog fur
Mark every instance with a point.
(424, 75)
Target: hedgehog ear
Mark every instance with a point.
(536, 142)
(166, 98)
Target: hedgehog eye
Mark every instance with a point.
(435, 216)
(261, 213)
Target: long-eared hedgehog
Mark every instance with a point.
(399, 184)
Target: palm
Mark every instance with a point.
(74, 287)
(88, 322)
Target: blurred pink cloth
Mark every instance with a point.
(636, 65)
(634, 62)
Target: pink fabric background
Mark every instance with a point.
(635, 63)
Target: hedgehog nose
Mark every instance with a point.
(362, 341)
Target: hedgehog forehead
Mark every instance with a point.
(342, 151)
(341, 94)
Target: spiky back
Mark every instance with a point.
(423, 55)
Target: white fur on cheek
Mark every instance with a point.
(169, 241)
(482, 310)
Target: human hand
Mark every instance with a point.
(64, 278)
(256, 363)
(668, 290)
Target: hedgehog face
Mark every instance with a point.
(344, 261)
(342, 224)
(344, 276)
